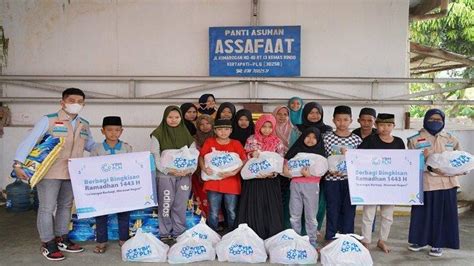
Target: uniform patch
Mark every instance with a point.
(449, 146)
(422, 143)
(59, 129)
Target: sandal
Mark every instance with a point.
(100, 249)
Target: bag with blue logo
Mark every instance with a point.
(220, 162)
(241, 245)
(201, 231)
(266, 163)
(337, 163)
(451, 162)
(296, 251)
(346, 250)
(144, 247)
(317, 164)
(190, 247)
(184, 159)
(41, 158)
(282, 237)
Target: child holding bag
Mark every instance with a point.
(174, 186)
(260, 203)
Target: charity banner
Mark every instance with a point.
(385, 177)
(259, 51)
(113, 183)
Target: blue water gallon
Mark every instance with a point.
(18, 197)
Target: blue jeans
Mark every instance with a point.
(215, 200)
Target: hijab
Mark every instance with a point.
(433, 127)
(203, 105)
(202, 136)
(189, 124)
(242, 134)
(300, 146)
(323, 128)
(283, 130)
(172, 137)
(295, 116)
(221, 108)
(270, 142)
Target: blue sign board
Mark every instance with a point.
(264, 51)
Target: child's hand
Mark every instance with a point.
(305, 172)
(426, 153)
(208, 171)
(20, 173)
(255, 154)
(336, 173)
(178, 173)
(286, 171)
(343, 151)
(226, 174)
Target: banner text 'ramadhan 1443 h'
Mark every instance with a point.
(268, 51)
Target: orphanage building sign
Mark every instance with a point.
(264, 51)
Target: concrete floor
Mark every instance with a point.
(19, 245)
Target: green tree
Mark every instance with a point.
(455, 33)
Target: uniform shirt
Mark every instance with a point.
(40, 128)
(105, 149)
(333, 144)
(443, 141)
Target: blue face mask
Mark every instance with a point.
(434, 127)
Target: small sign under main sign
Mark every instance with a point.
(263, 51)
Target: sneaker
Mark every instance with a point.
(51, 252)
(415, 247)
(65, 244)
(436, 252)
(168, 240)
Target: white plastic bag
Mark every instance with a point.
(241, 245)
(318, 165)
(201, 231)
(191, 249)
(144, 247)
(296, 251)
(337, 163)
(282, 237)
(346, 250)
(184, 159)
(266, 163)
(451, 162)
(219, 162)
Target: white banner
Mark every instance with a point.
(385, 177)
(113, 183)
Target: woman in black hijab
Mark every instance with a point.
(189, 112)
(313, 115)
(226, 111)
(242, 126)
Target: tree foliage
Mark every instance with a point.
(455, 33)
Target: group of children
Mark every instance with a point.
(269, 203)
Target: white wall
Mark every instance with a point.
(340, 38)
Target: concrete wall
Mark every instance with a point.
(340, 38)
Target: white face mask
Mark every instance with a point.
(73, 108)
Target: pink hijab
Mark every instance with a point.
(270, 142)
(283, 130)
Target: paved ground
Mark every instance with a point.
(19, 245)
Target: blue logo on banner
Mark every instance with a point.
(264, 51)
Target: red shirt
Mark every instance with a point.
(231, 184)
